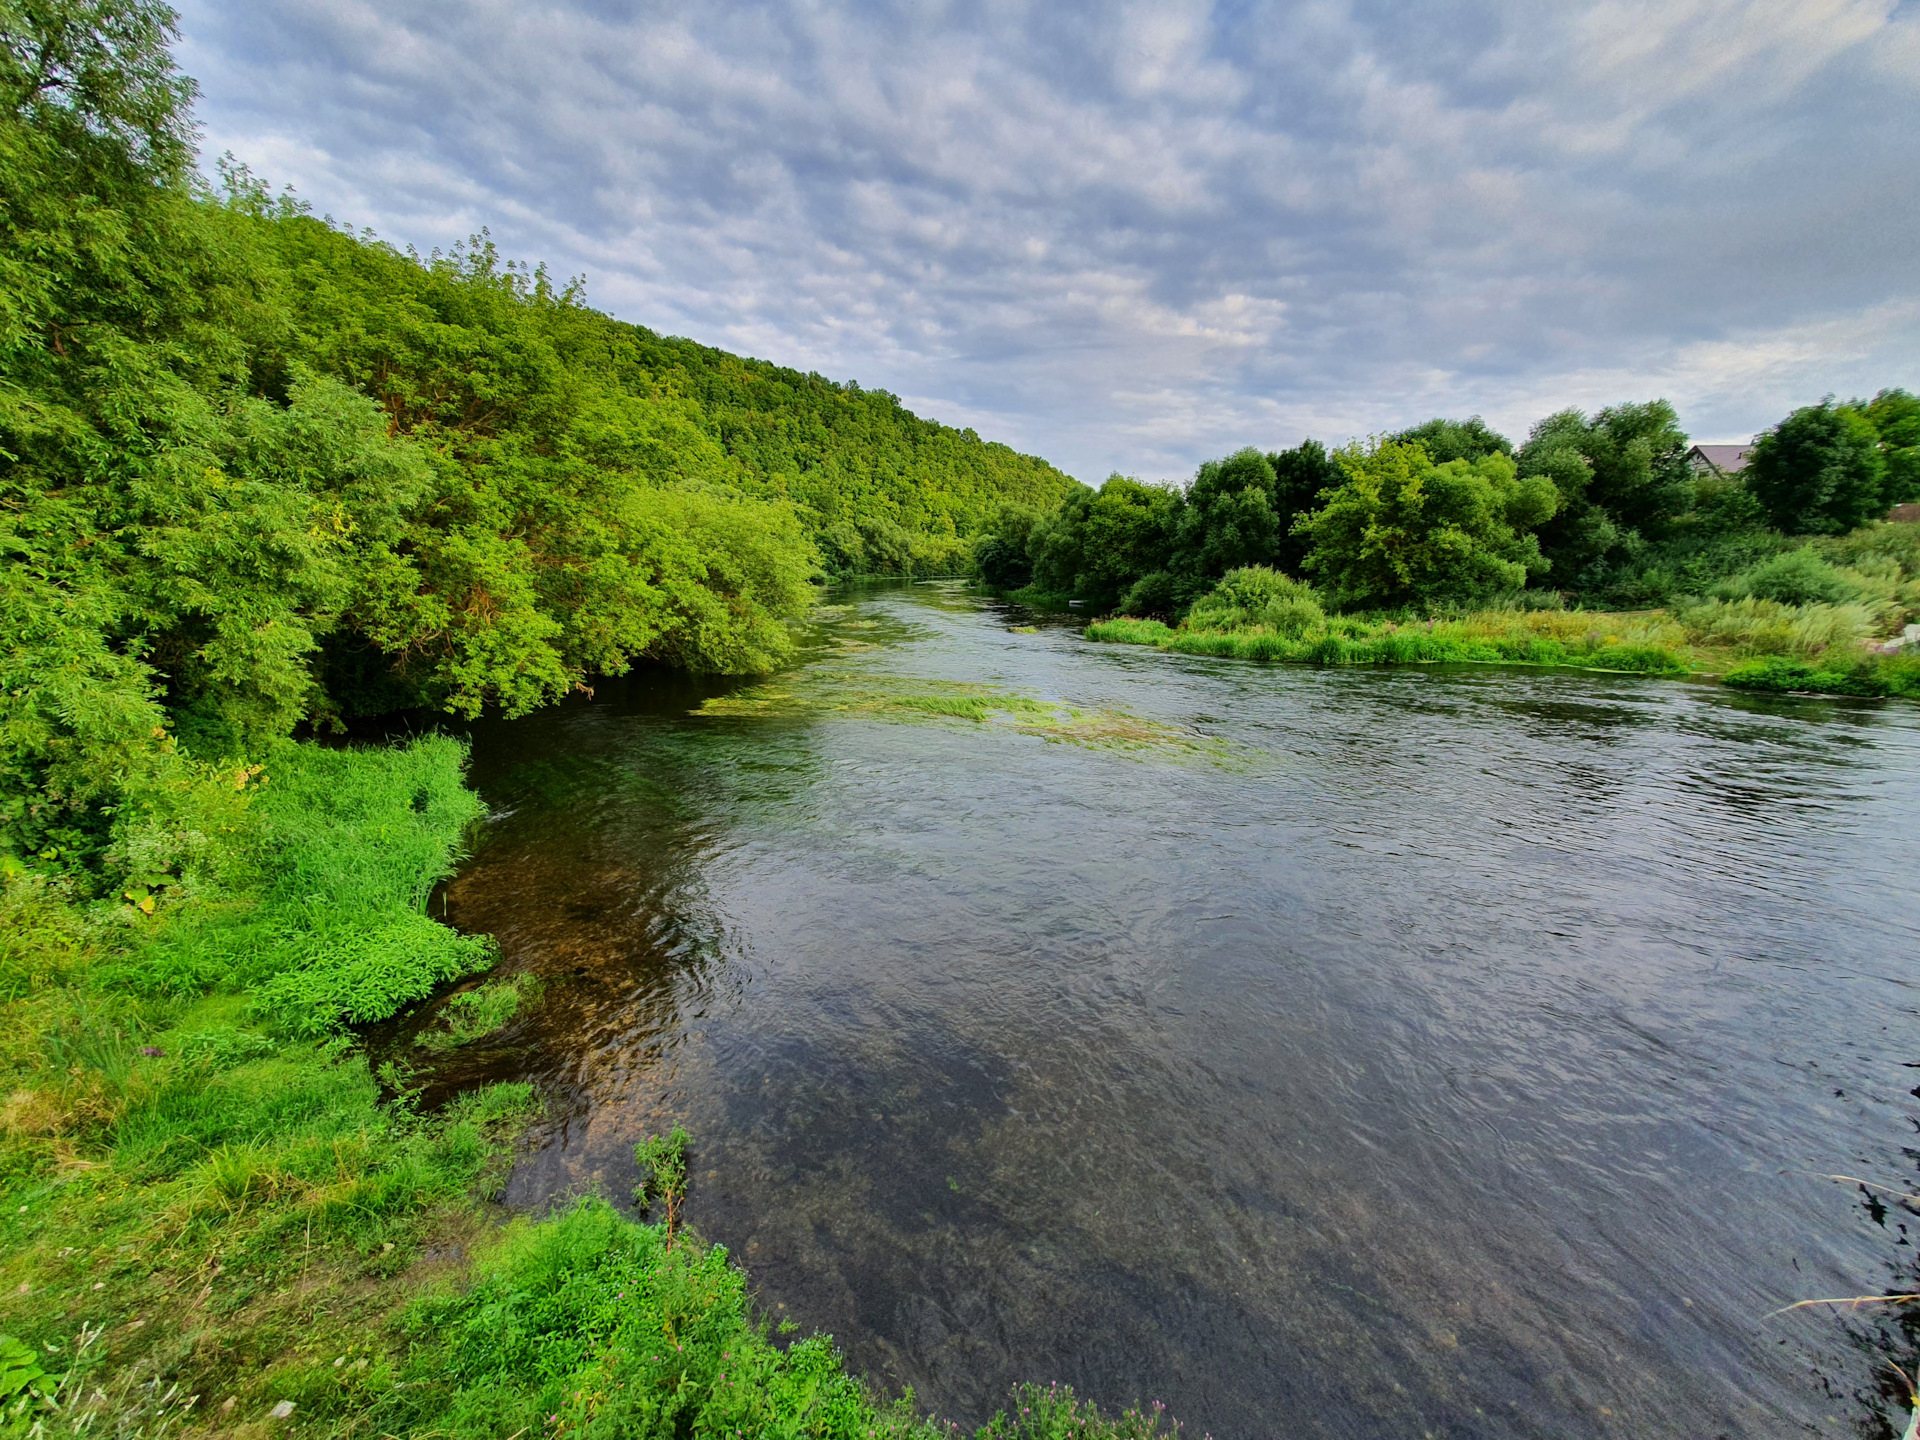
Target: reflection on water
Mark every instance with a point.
(1462, 1064)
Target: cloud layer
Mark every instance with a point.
(1133, 236)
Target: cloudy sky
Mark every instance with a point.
(1132, 236)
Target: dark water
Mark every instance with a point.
(1362, 1053)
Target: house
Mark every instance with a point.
(1719, 459)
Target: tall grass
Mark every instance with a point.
(1566, 639)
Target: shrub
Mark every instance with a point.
(1799, 577)
(1258, 595)
(1781, 674)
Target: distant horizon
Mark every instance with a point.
(1133, 240)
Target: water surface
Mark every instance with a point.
(1323, 1053)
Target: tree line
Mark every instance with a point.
(1604, 508)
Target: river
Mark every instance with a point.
(1413, 1052)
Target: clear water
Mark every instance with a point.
(1375, 1052)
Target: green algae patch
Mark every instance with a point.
(908, 700)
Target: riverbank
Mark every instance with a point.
(1748, 644)
(217, 1219)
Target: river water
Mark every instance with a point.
(1320, 1052)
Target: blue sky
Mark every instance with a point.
(1129, 237)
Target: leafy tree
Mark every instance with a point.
(1819, 471)
(1622, 477)
(1444, 440)
(1404, 531)
(1895, 417)
(1000, 554)
(1100, 542)
(1228, 521)
(1299, 475)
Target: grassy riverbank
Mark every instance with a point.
(211, 1208)
(1763, 632)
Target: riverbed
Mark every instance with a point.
(1419, 1051)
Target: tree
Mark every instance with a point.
(1100, 542)
(1819, 471)
(1404, 531)
(1445, 440)
(1895, 416)
(1299, 475)
(1228, 521)
(1000, 555)
(1622, 477)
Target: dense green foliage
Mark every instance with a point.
(1152, 549)
(1803, 620)
(1623, 480)
(1820, 470)
(1449, 521)
(257, 471)
(1444, 440)
(1404, 531)
(1895, 417)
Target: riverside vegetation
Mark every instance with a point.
(259, 473)
(1593, 545)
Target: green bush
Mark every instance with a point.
(1402, 531)
(1798, 577)
(1258, 596)
(1847, 674)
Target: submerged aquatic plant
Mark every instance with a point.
(908, 699)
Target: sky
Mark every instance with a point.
(1129, 237)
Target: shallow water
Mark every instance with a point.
(1322, 1053)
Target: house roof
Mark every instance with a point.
(1728, 458)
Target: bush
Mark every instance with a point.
(1780, 674)
(1150, 595)
(1258, 595)
(1799, 577)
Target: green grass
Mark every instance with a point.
(471, 1015)
(349, 845)
(1347, 641)
(1755, 644)
(212, 1210)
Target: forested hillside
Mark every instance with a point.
(257, 470)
